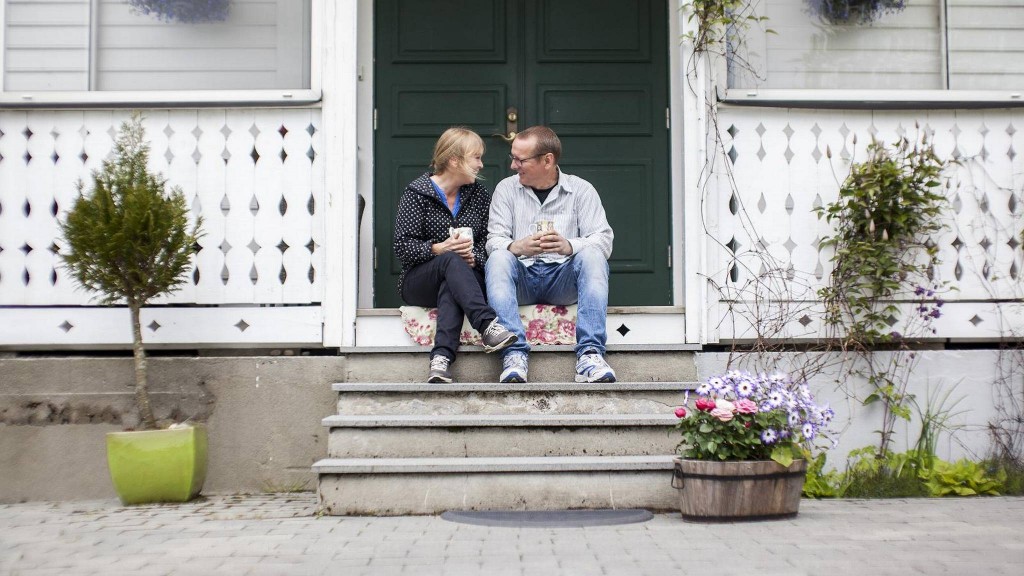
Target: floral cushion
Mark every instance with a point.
(544, 323)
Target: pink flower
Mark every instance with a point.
(705, 404)
(681, 412)
(532, 336)
(722, 414)
(560, 310)
(433, 314)
(746, 406)
(725, 405)
(547, 337)
(537, 324)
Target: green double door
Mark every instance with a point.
(595, 71)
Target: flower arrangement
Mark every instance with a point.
(186, 11)
(841, 12)
(740, 416)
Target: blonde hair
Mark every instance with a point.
(456, 142)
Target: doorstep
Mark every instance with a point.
(632, 328)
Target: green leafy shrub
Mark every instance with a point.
(961, 478)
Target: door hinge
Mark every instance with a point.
(375, 119)
(669, 255)
(668, 119)
(374, 257)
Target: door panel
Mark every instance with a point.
(594, 71)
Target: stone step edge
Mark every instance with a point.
(409, 387)
(492, 464)
(507, 420)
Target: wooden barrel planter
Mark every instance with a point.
(732, 491)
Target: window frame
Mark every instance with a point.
(175, 98)
(873, 99)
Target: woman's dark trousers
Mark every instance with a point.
(449, 284)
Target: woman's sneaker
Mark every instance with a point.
(592, 368)
(496, 337)
(440, 370)
(515, 366)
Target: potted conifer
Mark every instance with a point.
(129, 239)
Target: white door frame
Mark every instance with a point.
(680, 148)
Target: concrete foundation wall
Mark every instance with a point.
(263, 415)
(976, 380)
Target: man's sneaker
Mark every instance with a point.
(515, 366)
(591, 367)
(496, 337)
(440, 370)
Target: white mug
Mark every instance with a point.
(542, 226)
(462, 232)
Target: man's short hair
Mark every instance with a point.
(545, 140)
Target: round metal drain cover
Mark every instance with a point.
(548, 518)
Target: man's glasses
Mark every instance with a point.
(521, 160)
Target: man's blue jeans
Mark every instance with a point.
(582, 280)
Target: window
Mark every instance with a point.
(112, 45)
(928, 45)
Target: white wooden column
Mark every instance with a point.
(699, 204)
(339, 74)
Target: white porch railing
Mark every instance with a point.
(255, 176)
(782, 171)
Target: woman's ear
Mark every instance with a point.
(453, 163)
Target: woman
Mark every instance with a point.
(441, 266)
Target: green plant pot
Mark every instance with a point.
(157, 465)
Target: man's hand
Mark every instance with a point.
(462, 246)
(541, 242)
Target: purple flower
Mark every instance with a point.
(769, 436)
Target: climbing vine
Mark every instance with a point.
(888, 208)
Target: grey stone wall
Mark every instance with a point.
(263, 415)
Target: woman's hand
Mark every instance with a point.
(462, 246)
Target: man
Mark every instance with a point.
(530, 263)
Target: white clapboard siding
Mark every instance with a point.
(263, 44)
(898, 51)
(986, 44)
(46, 45)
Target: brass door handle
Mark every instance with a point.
(511, 125)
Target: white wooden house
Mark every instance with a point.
(284, 125)
(267, 122)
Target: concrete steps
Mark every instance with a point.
(433, 485)
(402, 447)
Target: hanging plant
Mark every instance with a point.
(840, 12)
(186, 11)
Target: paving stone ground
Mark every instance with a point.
(282, 534)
